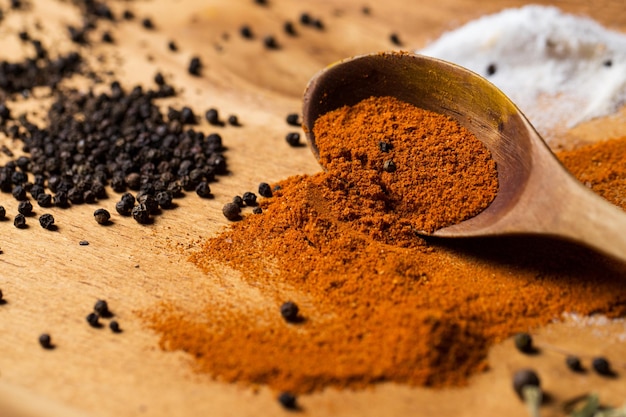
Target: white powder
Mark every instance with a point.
(559, 69)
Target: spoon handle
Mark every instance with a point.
(570, 210)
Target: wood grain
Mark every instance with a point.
(51, 283)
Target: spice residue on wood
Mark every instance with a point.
(378, 302)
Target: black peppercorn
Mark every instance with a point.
(93, 320)
(246, 32)
(573, 363)
(265, 190)
(44, 200)
(395, 39)
(287, 400)
(293, 138)
(128, 15)
(602, 366)
(289, 28)
(249, 198)
(164, 199)
(149, 202)
(101, 307)
(385, 146)
(3, 212)
(107, 37)
(524, 342)
(141, 214)
(233, 120)
(20, 221)
(46, 221)
(115, 327)
(238, 200)
(171, 45)
(25, 208)
(389, 166)
(45, 341)
(293, 119)
(19, 193)
(83, 243)
(523, 378)
(289, 310)
(270, 42)
(231, 211)
(212, 116)
(195, 65)
(147, 23)
(102, 216)
(2, 301)
(187, 117)
(491, 69)
(203, 190)
(257, 210)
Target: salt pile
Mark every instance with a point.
(560, 69)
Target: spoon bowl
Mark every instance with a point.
(536, 194)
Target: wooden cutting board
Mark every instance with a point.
(50, 282)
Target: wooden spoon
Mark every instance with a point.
(536, 194)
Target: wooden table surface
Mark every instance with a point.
(50, 282)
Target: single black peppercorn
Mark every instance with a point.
(212, 116)
(141, 214)
(128, 15)
(523, 378)
(203, 190)
(171, 45)
(306, 18)
(45, 341)
(257, 210)
(573, 363)
(25, 208)
(20, 221)
(265, 190)
(93, 320)
(115, 327)
(249, 198)
(3, 212)
(293, 119)
(385, 146)
(289, 310)
(602, 366)
(147, 23)
(231, 211)
(187, 117)
(524, 342)
(2, 301)
(246, 32)
(195, 65)
(102, 216)
(83, 243)
(46, 221)
(107, 37)
(270, 42)
(238, 200)
(149, 202)
(44, 200)
(288, 400)
(164, 199)
(491, 69)
(101, 307)
(233, 120)
(389, 166)
(395, 39)
(289, 28)
(19, 193)
(159, 79)
(293, 138)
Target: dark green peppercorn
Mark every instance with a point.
(523, 378)
(46, 221)
(523, 342)
(289, 310)
(20, 221)
(601, 366)
(249, 199)
(265, 190)
(287, 400)
(45, 341)
(231, 211)
(102, 216)
(573, 363)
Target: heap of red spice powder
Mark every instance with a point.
(378, 302)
